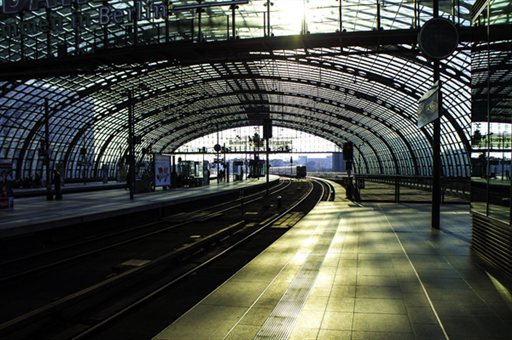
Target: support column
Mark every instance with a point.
(436, 146)
(268, 169)
(131, 151)
(49, 195)
(233, 28)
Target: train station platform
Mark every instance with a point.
(359, 271)
(75, 187)
(33, 214)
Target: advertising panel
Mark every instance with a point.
(162, 170)
(6, 192)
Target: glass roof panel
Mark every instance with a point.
(341, 94)
(90, 26)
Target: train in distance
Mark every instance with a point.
(298, 171)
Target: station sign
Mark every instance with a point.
(117, 13)
(274, 143)
(12, 26)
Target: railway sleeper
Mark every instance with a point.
(75, 303)
(210, 217)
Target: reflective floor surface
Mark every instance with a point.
(351, 271)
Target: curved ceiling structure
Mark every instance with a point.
(342, 91)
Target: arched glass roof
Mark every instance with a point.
(328, 84)
(84, 26)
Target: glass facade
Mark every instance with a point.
(491, 71)
(491, 87)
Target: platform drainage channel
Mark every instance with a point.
(281, 321)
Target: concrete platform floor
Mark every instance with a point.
(350, 271)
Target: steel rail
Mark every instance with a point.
(66, 302)
(151, 295)
(118, 244)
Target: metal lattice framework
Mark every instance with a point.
(351, 90)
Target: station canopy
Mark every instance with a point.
(190, 74)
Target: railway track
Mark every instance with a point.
(36, 261)
(82, 312)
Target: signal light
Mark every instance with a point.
(348, 151)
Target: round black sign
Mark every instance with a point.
(438, 38)
(217, 147)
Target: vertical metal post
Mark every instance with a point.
(218, 161)
(192, 28)
(48, 34)
(166, 22)
(502, 156)
(418, 18)
(226, 173)
(397, 189)
(436, 154)
(264, 26)
(415, 14)
(135, 25)
(233, 8)
(436, 145)
(77, 31)
(341, 16)
(359, 160)
(458, 12)
(199, 33)
(22, 36)
(267, 170)
(378, 15)
(131, 151)
(49, 196)
(174, 175)
(488, 110)
(304, 29)
(268, 18)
